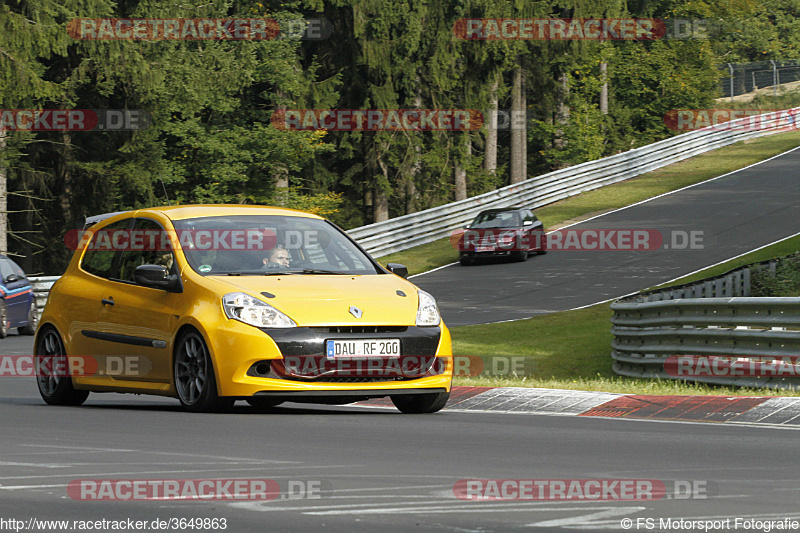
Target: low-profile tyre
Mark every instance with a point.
(194, 376)
(33, 320)
(54, 386)
(465, 260)
(3, 320)
(263, 403)
(420, 403)
(519, 256)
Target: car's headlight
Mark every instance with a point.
(241, 306)
(427, 312)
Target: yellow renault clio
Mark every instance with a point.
(213, 304)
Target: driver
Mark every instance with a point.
(278, 258)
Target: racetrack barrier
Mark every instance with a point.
(407, 231)
(713, 320)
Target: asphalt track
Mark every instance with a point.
(736, 213)
(374, 469)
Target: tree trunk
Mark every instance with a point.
(380, 202)
(3, 198)
(412, 194)
(490, 158)
(604, 88)
(281, 176)
(64, 178)
(562, 112)
(460, 170)
(519, 151)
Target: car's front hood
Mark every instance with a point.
(314, 300)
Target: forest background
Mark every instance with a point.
(211, 139)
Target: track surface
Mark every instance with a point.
(736, 213)
(378, 470)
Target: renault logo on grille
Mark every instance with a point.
(355, 311)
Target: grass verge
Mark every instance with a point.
(556, 354)
(700, 168)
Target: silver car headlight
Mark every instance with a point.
(250, 310)
(427, 312)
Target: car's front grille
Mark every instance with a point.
(362, 329)
(306, 341)
(355, 370)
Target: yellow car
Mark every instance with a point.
(213, 304)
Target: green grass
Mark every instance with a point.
(557, 354)
(717, 162)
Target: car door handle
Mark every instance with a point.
(108, 301)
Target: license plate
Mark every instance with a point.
(484, 248)
(362, 348)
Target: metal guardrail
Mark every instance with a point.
(713, 317)
(411, 230)
(41, 288)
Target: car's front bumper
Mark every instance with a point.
(237, 354)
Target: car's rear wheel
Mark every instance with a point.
(465, 260)
(33, 320)
(519, 256)
(420, 403)
(194, 376)
(3, 320)
(55, 386)
(263, 403)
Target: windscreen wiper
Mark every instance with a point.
(321, 271)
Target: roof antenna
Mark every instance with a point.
(165, 191)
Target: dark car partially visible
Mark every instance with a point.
(513, 232)
(17, 302)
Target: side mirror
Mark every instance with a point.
(397, 269)
(527, 223)
(12, 278)
(157, 277)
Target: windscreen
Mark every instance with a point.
(269, 245)
(496, 219)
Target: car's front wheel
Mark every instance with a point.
(420, 403)
(33, 320)
(52, 378)
(519, 255)
(194, 376)
(3, 320)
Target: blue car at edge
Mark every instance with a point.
(17, 302)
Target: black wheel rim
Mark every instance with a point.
(191, 373)
(3, 319)
(50, 360)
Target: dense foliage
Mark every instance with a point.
(211, 103)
